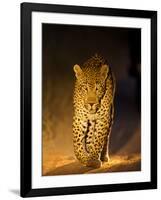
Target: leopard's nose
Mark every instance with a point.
(91, 104)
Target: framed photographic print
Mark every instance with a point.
(88, 99)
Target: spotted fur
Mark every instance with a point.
(93, 111)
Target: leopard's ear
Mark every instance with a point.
(104, 71)
(77, 70)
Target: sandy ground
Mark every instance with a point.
(68, 165)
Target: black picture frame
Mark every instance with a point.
(26, 103)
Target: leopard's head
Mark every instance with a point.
(92, 85)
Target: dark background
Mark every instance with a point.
(67, 45)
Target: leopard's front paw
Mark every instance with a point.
(94, 163)
(105, 159)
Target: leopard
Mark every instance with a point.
(93, 105)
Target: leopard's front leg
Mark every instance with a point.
(80, 128)
(105, 151)
(98, 147)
